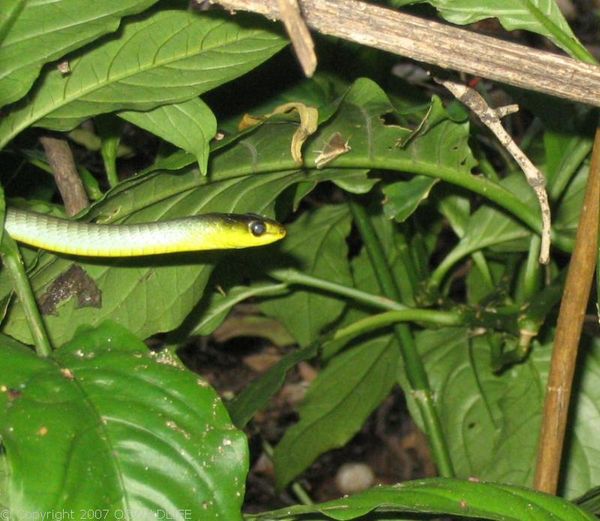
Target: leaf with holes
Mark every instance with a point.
(246, 176)
(438, 149)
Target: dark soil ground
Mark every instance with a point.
(389, 443)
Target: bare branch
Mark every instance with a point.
(299, 34)
(65, 172)
(443, 45)
(491, 119)
(574, 302)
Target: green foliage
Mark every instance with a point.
(120, 431)
(156, 60)
(103, 423)
(190, 125)
(441, 496)
(337, 405)
(27, 45)
(317, 245)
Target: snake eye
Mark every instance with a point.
(257, 228)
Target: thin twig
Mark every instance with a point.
(442, 45)
(299, 34)
(67, 178)
(491, 118)
(568, 333)
(296, 487)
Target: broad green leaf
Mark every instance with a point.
(403, 197)
(337, 404)
(456, 208)
(46, 31)
(539, 16)
(582, 449)
(353, 181)
(491, 421)
(493, 501)
(439, 125)
(490, 227)
(169, 57)
(487, 280)
(438, 149)
(316, 245)
(190, 125)
(4, 483)
(104, 425)
(9, 14)
(359, 120)
(319, 91)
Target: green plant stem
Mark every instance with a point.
(531, 277)
(406, 270)
(459, 252)
(295, 277)
(442, 269)
(528, 214)
(109, 128)
(484, 269)
(297, 489)
(13, 263)
(487, 188)
(567, 340)
(388, 318)
(415, 372)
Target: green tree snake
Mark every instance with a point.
(211, 231)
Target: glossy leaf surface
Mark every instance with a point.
(118, 429)
(441, 496)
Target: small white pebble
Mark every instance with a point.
(354, 477)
